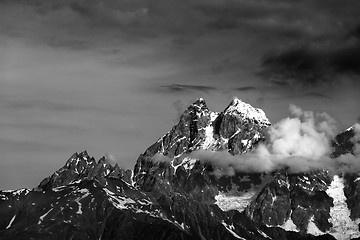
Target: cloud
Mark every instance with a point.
(72, 44)
(316, 95)
(313, 62)
(299, 143)
(312, 43)
(150, 19)
(186, 87)
(53, 22)
(304, 134)
(180, 108)
(245, 89)
(111, 159)
(161, 158)
(109, 53)
(312, 96)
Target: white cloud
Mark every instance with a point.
(299, 143)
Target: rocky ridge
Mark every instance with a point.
(172, 195)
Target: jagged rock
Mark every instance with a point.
(80, 167)
(172, 195)
(237, 129)
(352, 193)
(272, 205)
(343, 142)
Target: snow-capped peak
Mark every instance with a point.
(247, 111)
(350, 128)
(355, 127)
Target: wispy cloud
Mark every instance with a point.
(33, 103)
(309, 95)
(316, 95)
(185, 87)
(245, 89)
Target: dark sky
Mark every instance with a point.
(111, 76)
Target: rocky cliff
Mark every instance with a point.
(171, 194)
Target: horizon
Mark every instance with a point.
(112, 76)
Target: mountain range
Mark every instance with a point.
(173, 194)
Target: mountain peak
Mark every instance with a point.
(197, 108)
(199, 104)
(345, 142)
(237, 130)
(175, 186)
(236, 101)
(84, 154)
(200, 101)
(354, 127)
(237, 106)
(79, 167)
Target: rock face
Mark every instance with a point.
(238, 129)
(294, 197)
(316, 202)
(173, 195)
(81, 167)
(343, 142)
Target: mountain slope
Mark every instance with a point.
(173, 195)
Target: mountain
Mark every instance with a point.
(172, 194)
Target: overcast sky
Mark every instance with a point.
(111, 76)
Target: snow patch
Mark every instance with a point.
(209, 137)
(245, 142)
(85, 193)
(343, 226)
(182, 225)
(17, 192)
(230, 229)
(313, 229)
(350, 128)
(209, 132)
(263, 234)
(175, 166)
(118, 201)
(239, 203)
(79, 211)
(188, 163)
(289, 225)
(3, 197)
(11, 221)
(247, 111)
(177, 141)
(44, 215)
(58, 189)
(144, 202)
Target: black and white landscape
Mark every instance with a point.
(204, 179)
(97, 82)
